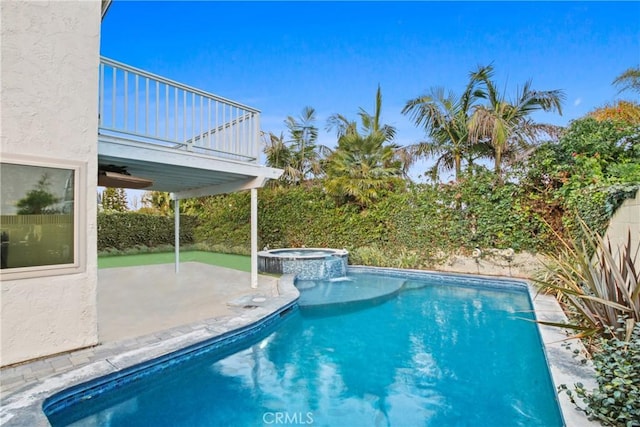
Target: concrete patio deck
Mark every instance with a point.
(136, 301)
(143, 313)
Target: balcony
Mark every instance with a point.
(182, 139)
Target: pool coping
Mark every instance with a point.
(24, 407)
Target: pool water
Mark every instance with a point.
(302, 252)
(356, 291)
(436, 353)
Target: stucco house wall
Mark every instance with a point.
(626, 219)
(49, 79)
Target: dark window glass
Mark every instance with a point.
(36, 215)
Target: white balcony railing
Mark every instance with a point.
(139, 106)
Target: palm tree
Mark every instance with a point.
(361, 168)
(365, 162)
(370, 123)
(505, 127)
(445, 121)
(304, 135)
(341, 125)
(279, 155)
(629, 80)
(300, 157)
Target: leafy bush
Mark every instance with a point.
(589, 172)
(616, 401)
(625, 111)
(126, 230)
(368, 255)
(595, 204)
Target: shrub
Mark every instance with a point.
(590, 171)
(368, 255)
(134, 231)
(616, 400)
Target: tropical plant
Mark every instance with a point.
(364, 164)
(445, 119)
(505, 126)
(628, 80)
(616, 400)
(598, 282)
(370, 124)
(362, 168)
(341, 125)
(161, 203)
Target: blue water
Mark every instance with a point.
(432, 354)
(302, 252)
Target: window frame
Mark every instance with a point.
(79, 264)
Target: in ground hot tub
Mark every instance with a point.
(305, 263)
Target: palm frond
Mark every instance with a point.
(340, 124)
(628, 80)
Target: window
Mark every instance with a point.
(38, 217)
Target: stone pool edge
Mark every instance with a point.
(24, 408)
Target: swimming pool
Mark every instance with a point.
(435, 350)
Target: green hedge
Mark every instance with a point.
(409, 228)
(122, 230)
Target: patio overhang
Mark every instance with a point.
(182, 173)
(186, 175)
(159, 134)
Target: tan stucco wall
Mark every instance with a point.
(626, 219)
(49, 81)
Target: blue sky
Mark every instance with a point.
(282, 56)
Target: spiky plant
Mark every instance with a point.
(599, 282)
